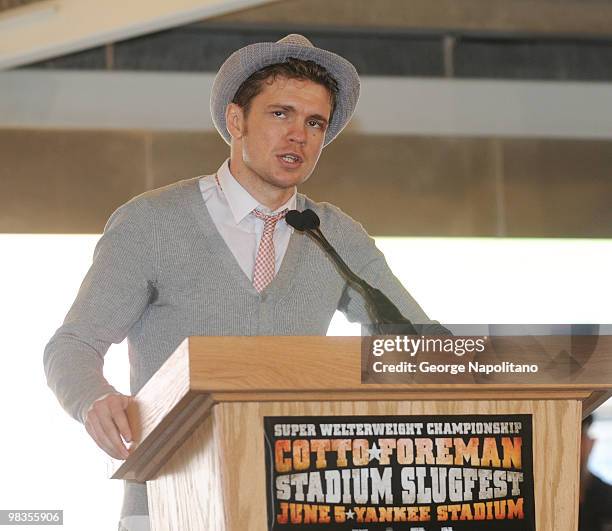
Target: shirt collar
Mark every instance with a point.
(241, 202)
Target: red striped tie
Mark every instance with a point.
(263, 272)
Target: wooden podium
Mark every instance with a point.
(198, 423)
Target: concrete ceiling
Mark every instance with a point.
(35, 30)
(51, 28)
(5, 5)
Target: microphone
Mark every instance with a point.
(386, 317)
(306, 220)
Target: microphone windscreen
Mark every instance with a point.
(311, 220)
(295, 219)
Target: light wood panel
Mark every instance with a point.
(433, 393)
(160, 421)
(315, 363)
(200, 443)
(237, 429)
(187, 494)
(209, 370)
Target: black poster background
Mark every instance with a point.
(526, 524)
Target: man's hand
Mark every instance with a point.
(106, 422)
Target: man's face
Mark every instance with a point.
(279, 140)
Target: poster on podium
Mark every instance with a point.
(392, 473)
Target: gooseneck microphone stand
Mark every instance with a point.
(386, 317)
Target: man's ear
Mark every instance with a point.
(234, 119)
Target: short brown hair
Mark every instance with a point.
(292, 68)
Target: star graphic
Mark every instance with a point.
(350, 514)
(374, 452)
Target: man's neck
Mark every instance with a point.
(265, 194)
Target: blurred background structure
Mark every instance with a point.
(478, 119)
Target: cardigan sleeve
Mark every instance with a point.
(369, 263)
(112, 297)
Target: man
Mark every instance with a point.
(214, 255)
(595, 494)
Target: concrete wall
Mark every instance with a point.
(70, 181)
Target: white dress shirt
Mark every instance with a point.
(230, 207)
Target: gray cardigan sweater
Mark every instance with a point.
(162, 272)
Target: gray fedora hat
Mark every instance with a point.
(248, 60)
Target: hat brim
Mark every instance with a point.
(248, 60)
